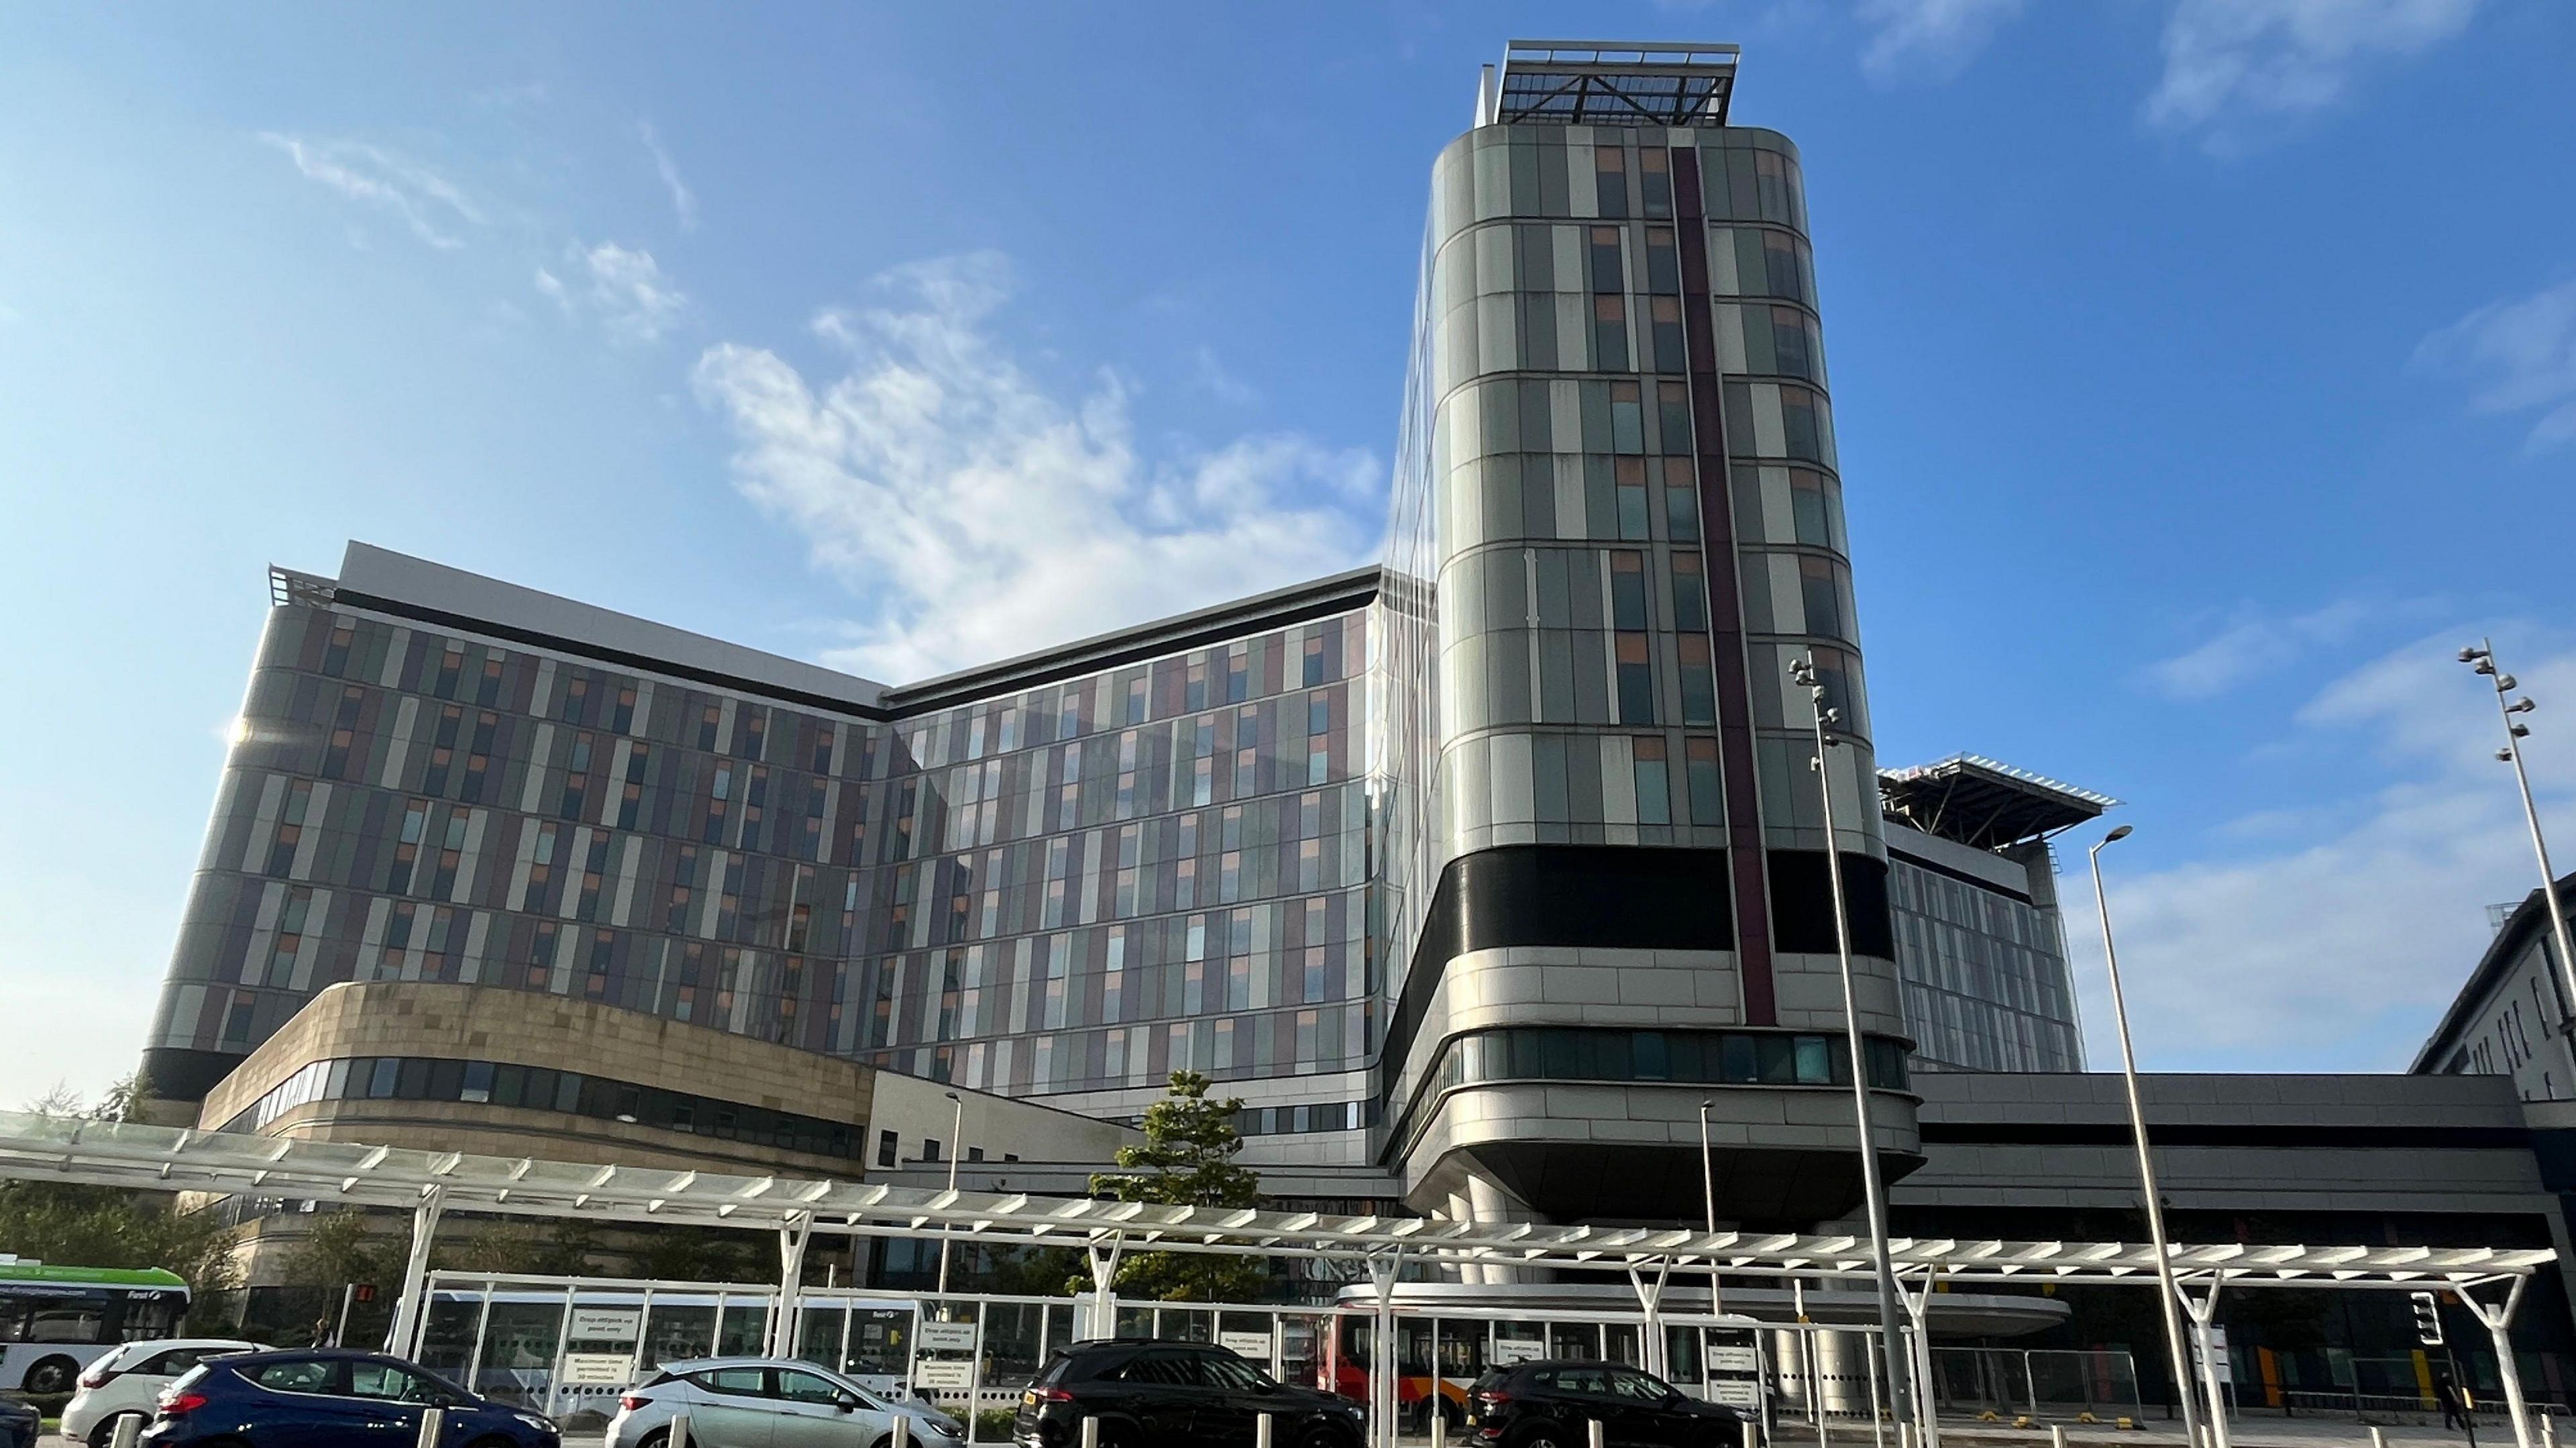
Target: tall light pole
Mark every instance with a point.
(2171, 1294)
(2482, 658)
(956, 1149)
(1708, 1190)
(1873, 1193)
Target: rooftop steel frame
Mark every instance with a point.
(1615, 83)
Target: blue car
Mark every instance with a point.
(327, 1398)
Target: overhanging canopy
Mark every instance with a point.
(171, 1159)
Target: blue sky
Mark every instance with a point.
(2205, 372)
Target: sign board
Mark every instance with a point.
(598, 1369)
(1724, 1359)
(1734, 1394)
(2218, 1344)
(1254, 1345)
(608, 1324)
(944, 1337)
(1509, 1350)
(954, 1374)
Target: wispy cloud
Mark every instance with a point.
(2520, 355)
(2233, 64)
(981, 513)
(622, 286)
(1932, 39)
(2253, 642)
(426, 202)
(684, 202)
(2348, 931)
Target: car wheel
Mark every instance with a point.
(52, 1375)
(1543, 1435)
(658, 1438)
(105, 1433)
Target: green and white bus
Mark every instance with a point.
(55, 1321)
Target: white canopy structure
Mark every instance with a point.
(110, 1154)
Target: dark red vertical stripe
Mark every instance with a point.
(1725, 603)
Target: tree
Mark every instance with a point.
(1187, 1160)
(342, 1247)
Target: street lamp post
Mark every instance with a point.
(956, 1149)
(1708, 1193)
(2166, 1287)
(2481, 657)
(1873, 1193)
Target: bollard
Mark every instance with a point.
(2378, 1439)
(433, 1423)
(1592, 1433)
(1439, 1428)
(679, 1431)
(903, 1430)
(2548, 1429)
(1261, 1431)
(129, 1426)
(2057, 1435)
(1752, 1433)
(1091, 1433)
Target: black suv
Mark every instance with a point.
(1545, 1404)
(1154, 1394)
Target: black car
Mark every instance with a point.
(1547, 1403)
(1153, 1394)
(18, 1425)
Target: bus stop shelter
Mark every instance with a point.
(428, 1184)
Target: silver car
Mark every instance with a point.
(750, 1402)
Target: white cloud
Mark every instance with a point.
(684, 202)
(2229, 61)
(428, 203)
(982, 514)
(624, 287)
(2522, 354)
(1931, 38)
(2353, 938)
(2254, 643)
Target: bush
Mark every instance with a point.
(994, 1425)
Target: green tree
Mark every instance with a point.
(341, 1247)
(1187, 1160)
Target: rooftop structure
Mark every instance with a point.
(1610, 83)
(1985, 803)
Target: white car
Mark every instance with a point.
(748, 1402)
(125, 1382)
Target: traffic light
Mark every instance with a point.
(2428, 1318)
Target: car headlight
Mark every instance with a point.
(542, 1425)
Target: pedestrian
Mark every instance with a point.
(2455, 1411)
(321, 1332)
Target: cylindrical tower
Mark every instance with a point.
(1619, 502)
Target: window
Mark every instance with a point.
(1636, 679)
(1610, 180)
(1610, 334)
(1822, 596)
(1663, 262)
(1603, 255)
(383, 1380)
(1665, 315)
(1627, 418)
(799, 1387)
(1690, 593)
(1707, 805)
(1636, 1386)
(1627, 590)
(734, 1382)
(1630, 474)
(296, 1377)
(930, 1148)
(1699, 680)
(1654, 783)
(1654, 178)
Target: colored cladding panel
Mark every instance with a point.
(1726, 603)
(1060, 887)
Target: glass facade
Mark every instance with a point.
(1985, 977)
(1075, 886)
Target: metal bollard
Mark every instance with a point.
(2548, 1429)
(2057, 1435)
(2378, 1439)
(433, 1425)
(1752, 1433)
(903, 1430)
(1261, 1431)
(1091, 1433)
(679, 1431)
(1439, 1428)
(1592, 1433)
(129, 1426)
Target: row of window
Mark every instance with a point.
(1695, 1058)
(1530, 170)
(541, 1088)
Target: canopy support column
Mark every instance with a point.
(412, 1311)
(2499, 1320)
(1383, 1269)
(1104, 1279)
(1918, 1307)
(793, 1234)
(1650, 1298)
(2204, 1314)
